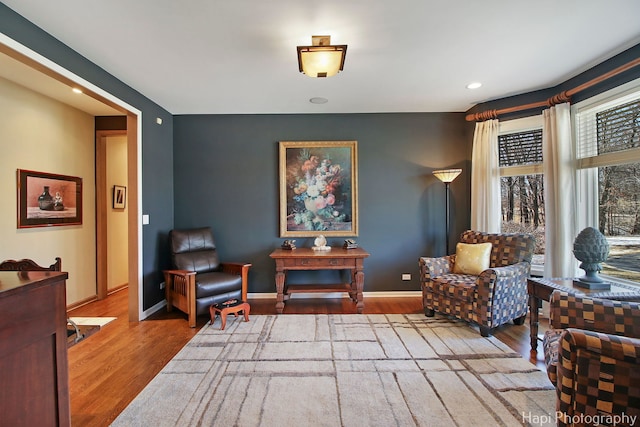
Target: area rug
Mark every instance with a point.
(344, 370)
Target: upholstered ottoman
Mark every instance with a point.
(231, 306)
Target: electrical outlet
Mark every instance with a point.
(161, 285)
(406, 277)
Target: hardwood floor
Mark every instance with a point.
(108, 369)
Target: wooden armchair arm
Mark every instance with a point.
(241, 269)
(179, 273)
(180, 290)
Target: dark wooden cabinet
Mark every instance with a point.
(34, 371)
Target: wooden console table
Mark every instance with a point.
(308, 259)
(540, 289)
(33, 349)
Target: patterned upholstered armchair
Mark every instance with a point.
(592, 353)
(491, 298)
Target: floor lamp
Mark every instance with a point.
(447, 176)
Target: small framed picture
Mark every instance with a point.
(119, 196)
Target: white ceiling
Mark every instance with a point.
(214, 56)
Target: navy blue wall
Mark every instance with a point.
(226, 177)
(157, 143)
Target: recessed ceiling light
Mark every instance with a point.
(474, 85)
(76, 90)
(318, 100)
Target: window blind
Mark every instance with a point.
(609, 133)
(618, 128)
(520, 148)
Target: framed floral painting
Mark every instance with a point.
(318, 188)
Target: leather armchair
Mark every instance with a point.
(496, 296)
(592, 353)
(198, 278)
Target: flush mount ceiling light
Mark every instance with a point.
(321, 59)
(474, 85)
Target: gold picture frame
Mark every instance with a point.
(318, 188)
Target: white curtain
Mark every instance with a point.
(559, 192)
(485, 178)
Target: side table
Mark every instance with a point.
(540, 289)
(308, 259)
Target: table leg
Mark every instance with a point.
(280, 292)
(359, 280)
(534, 308)
(353, 293)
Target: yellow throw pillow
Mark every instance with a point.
(472, 258)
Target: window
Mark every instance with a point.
(608, 153)
(520, 148)
(521, 183)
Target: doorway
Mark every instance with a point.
(57, 75)
(112, 262)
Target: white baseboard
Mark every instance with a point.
(272, 295)
(149, 311)
(384, 294)
(392, 294)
